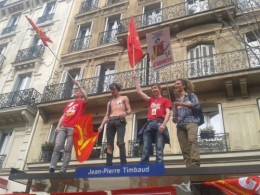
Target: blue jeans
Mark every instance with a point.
(151, 132)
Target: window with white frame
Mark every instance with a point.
(104, 77)
(83, 37)
(196, 6)
(23, 82)
(67, 86)
(111, 29)
(201, 60)
(152, 14)
(52, 135)
(14, 20)
(253, 48)
(49, 9)
(4, 140)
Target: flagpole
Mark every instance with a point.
(60, 62)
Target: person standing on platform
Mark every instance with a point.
(117, 109)
(155, 130)
(185, 116)
(65, 128)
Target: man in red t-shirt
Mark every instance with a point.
(155, 130)
(65, 127)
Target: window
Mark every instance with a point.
(248, 4)
(36, 41)
(83, 37)
(111, 29)
(152, 14)
(2, 57)
(67, 86)
(146, 73)
(49, 9)
(88, 5)
(23, 82)
(12, 24)
(4, 140)
(253, 48)
(196, 6)
(201, 60)
(105, 76)
(2, 49)
(52, 135)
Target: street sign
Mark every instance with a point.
(121, 171)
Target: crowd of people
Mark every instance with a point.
(184, 114)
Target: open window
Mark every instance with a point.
(66, 86)
(12, 24)
(152, 14)
(111, 29)
(201, 60)
(196, 6)
(104, 77)
(253, 48)
(4, 141)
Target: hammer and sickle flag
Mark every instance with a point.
(84, 137)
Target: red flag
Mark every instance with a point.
(238, 186)
(84, 137)
(135, 52)
(41, 34)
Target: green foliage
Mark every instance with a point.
(45, 144)
(207, 129)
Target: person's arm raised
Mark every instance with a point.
(139, 90)
(85, 96)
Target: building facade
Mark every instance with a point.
(215, 44)
(25, 66)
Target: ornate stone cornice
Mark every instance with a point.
(93, 54)
(112, 9)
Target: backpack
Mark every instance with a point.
(199, 113)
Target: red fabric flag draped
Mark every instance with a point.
(41, 34)
(238, 186)
(84, 137)
(135, 52)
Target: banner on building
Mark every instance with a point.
(238, 186)
(159, 48)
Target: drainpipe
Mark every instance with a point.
(30, 141)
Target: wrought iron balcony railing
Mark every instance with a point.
(109, 2)
(19, 98)
(79, 43)
(88, 5)
(45, 18)
(172, 12)
(8, 29)
(30, 53)
(220, 143)
(134, 149)
(2, 158)
(2, 59)
(244, 5)
(192, 68)
(107, 37)
(46, 153)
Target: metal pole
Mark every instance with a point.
(28, 186)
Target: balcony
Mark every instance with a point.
(172, 13)
(79, 43)
(88, 5)
(45, 18)
(2, 158)
(19, 98)
(244, 5)
(107, 37)
(2, 59)
(29, 53)
(208, 66)
(8, 29)
(109, 2)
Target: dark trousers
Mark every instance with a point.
(116, 126)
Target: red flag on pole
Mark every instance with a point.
(40, 33)
(84, 137)
(135, 52)
(238, 186)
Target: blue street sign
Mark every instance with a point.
(121, 171)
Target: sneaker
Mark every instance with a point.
(51, 170)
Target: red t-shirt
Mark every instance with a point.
(73, 111)
(157, 107)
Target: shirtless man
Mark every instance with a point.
(117, 109)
